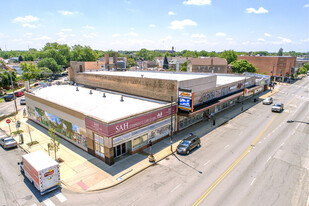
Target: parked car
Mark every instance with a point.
(189, 143)
(22, 101)
(50, 80)
(268, 100)
(36, 84)
(8, 142)
(8, 97)
(278, 107)
(19, 93)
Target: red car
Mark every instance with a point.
(19, 94)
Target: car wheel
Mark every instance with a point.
(188, 152)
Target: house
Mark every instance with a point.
(207, 65)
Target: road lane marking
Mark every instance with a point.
(226, 146)
(268, 159)
(207, 162)
(214, 185)
(48, 202)
(175, 188)
(253, 181)
(61, 197)
(34, 204)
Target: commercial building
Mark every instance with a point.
(278, 66)
(109, 114)
(207, 65)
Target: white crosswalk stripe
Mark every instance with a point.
(34, 204)
(48, 202)
(61, 197)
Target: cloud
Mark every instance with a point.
(266, 34)
(181, 24)
(167, 38)
(43, 38)
(29, 26)
(66, 29)
(229, 39)
(68, 13)
(116, 35)
(261, 39)
(131, 34)
(285, 40)
(198, 36)
(261, 10)
(28, 34)
(220, 34)
(25, 19)
(306, 6)
(171, 13)
(88, 27)
(305, 40)
(197, 2)
(152, 25)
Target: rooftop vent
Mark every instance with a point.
(77, 89)
(104, 94)
(142, 75)
(121, 98)
(90, 91)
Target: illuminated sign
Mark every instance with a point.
(185, 99)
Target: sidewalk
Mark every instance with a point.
(82, 172)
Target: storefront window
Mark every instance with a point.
(99, 145)
(140, 141)
(187, 121)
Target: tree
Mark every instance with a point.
(51, 64)
(20, 58)
(30, 71)
(5, 80)
(55, 141)
(130, 62)
(165, 63)
(45, 72)
(184, 67)
(229, 55)
(80, 53)
(242, 66)
(280, 52)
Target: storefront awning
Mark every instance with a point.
(218, 102)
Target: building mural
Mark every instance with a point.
(69, 130)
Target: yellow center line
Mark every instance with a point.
(214, 185)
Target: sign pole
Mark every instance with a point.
(172, 124)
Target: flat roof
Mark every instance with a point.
(226, 79)
(108, 108)
(178, 76)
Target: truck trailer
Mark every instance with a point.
(41, 170)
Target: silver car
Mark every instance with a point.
(268, 100)
(8, 142)
(278, 107)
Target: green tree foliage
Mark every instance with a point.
(5, 80)
(184, 67)
(80, 53)
(30, 71)
(130, 62)
(51, 64)
(261, 53)
(229, 55)
(304, 69)
(55, 141)
(165, 63)
(242, 66)
(213, 54)
(59, 52)
(280, 52)
(45, 72)
(203, 53)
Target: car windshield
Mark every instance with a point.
(277, 105)
(185, 142)
(8, 140)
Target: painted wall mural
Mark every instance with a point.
(69, 130)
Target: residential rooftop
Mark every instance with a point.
(108, 108)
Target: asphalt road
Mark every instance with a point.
(257, 158)
(7, 108)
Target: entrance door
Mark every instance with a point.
(120, 150)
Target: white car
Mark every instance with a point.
(268, 100)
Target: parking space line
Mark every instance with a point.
(253, 181)
(207, 162)
(226, 146)
(268, 158)
(175, 188)
(34, 204)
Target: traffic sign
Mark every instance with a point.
(8, 121)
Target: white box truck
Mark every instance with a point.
(41, 170)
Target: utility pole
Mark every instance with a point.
(171, 123)
(16, 111)
(243, 95)
(272, 76)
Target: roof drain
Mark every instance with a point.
(121, 98)
(77, 89)
(104, 94)
(90, 91)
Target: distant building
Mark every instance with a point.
(281, 66)
(207, 65)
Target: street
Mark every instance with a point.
(257, 158)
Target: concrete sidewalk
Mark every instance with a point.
(81, 172)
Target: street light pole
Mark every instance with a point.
(243, 95)
(171, 123)
(272, 76)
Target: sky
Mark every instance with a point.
(211, 25)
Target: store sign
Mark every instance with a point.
(185, 99)
(118, 128)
